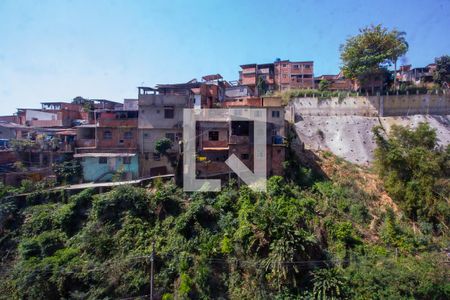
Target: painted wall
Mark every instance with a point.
(92, 169)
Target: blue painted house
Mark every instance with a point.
(101, 167)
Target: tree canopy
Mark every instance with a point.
(442, 73)
(415, 171)
(366, 56)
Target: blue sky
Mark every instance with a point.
(54, 50)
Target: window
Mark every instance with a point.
(107, 135)
(128, 135)
(275, 114)
(102, 160)
(213, 135)
(169, 112)
(245, 156)
(307, 66)
(127, 160)
(284, 65)
(170, 136)
(295, 66)
(156, 156)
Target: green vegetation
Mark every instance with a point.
(324, 85)
(303, 93)
(162, 145)
(68, 171)
(442, 73)
(309, 236)
(261, 86)
(366, 56)
(416, 172)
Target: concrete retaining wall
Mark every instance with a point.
(344, 126)
(371, 106)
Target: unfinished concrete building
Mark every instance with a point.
(160, 116)
(294, 74)
(216, 141)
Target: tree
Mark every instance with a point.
(367, 55)
(442, 73)
(163, 145)
(68, 171)
(399, 46)
(324, 85)
(415, 171)
(261, 86)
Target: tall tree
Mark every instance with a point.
(442, 73)
(367, 55)
(398, 48)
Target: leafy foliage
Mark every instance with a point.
(366, 56)
(442, 73)
(415, 170)
(292, 242)
(162, 145)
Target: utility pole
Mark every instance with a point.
(152, 259)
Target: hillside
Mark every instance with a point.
(327, 230)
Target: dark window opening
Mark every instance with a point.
(107, 135)
(213, 135)
(240, 128)
(169, 112)
(127, 160)
(245, 156)
(128, 135)
(102, 160)
(275, 114)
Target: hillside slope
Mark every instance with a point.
(340, 237)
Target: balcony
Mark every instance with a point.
(214, 145)
(238, 140)
(118, 122)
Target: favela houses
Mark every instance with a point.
(224, 150)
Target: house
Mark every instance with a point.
(280, 75)
(294, 75)
(251, 73)
(336, 82)
(217, 140)
(103, 166)
(10, 130)
(161, 116)
(420, 76)
(109, 146)
(51, 114)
